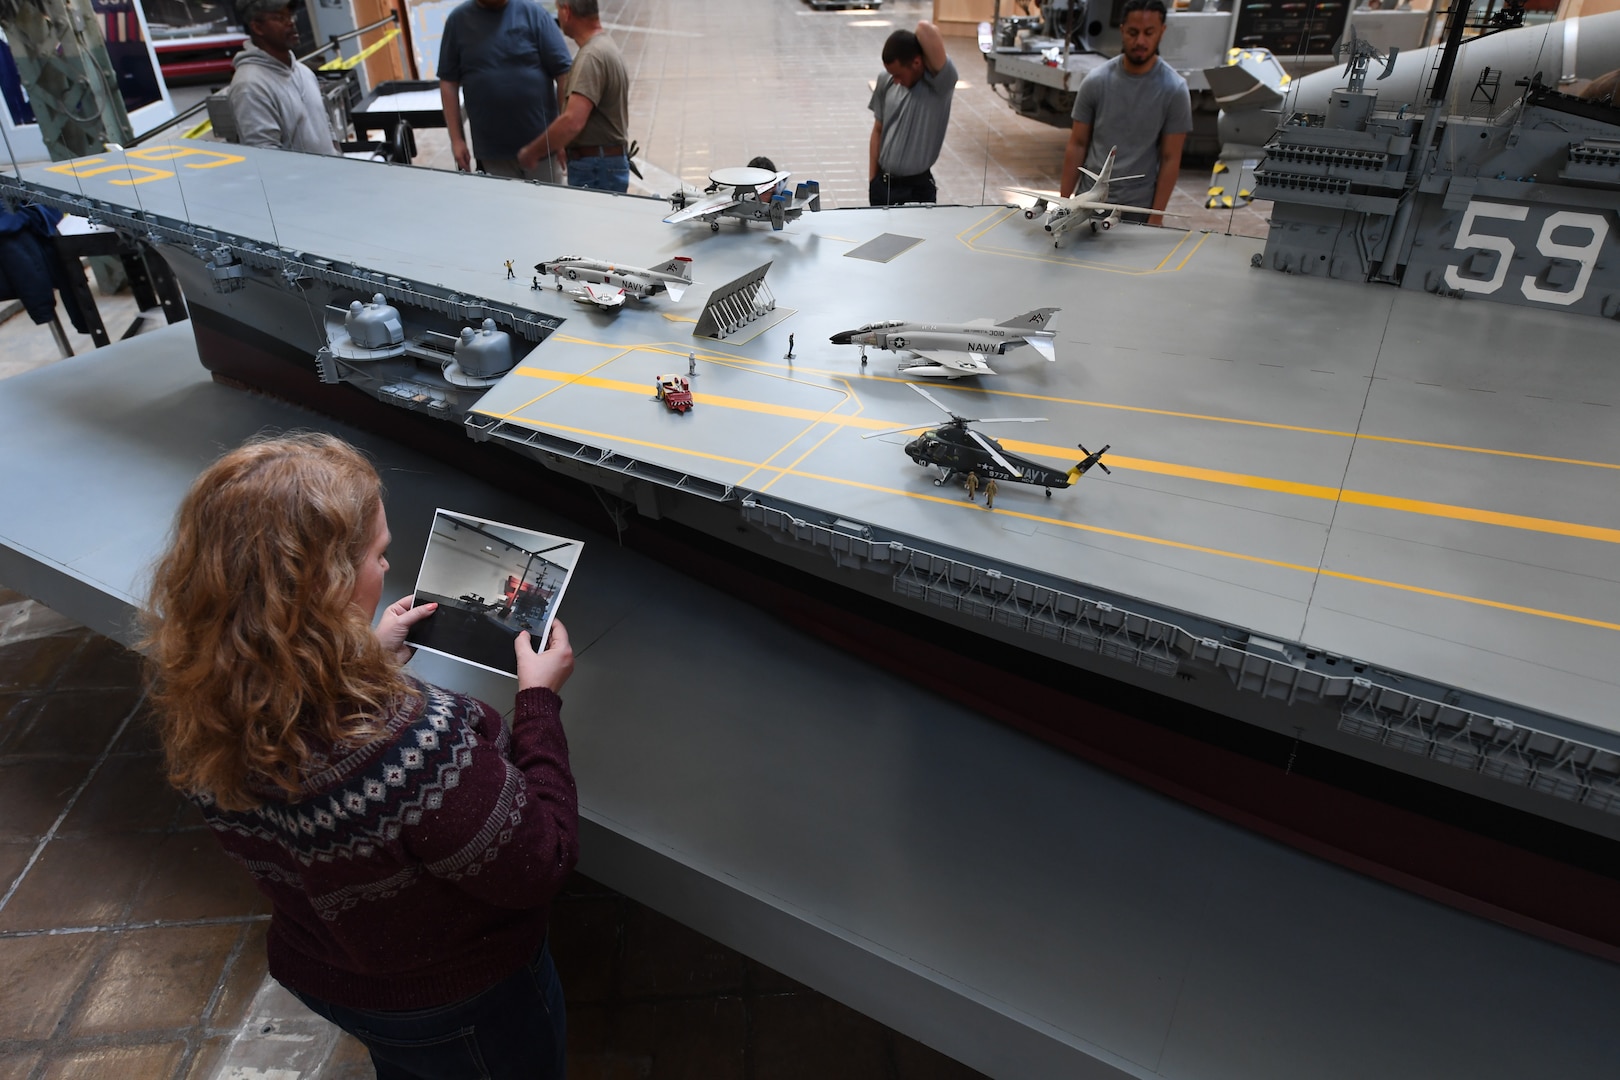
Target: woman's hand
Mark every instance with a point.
(397, 620)
(549, 669)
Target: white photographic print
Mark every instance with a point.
(491, 582)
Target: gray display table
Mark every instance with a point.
(986, 894)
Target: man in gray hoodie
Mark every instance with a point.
(275, 98)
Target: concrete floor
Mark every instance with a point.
(134, 949)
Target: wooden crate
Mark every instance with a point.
(961, 18)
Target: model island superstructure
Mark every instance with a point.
(1503, 192)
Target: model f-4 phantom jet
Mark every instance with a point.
(954, 350)
(754, 195)
(674, 277)
(956, 450)
(1089, 207)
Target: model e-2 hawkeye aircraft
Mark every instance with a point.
(954, 350)
(1089, 207)
(956, 450)
(755, 195)
(674, 277)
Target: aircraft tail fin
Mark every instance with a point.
(1042, 344)
(675, 291)
(1031, 320)
(680, 266)
(1091, 459)
(809, 190)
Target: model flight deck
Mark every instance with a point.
(1367, 490)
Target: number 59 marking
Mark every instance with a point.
(1584, 255)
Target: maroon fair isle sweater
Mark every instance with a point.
(419, 869)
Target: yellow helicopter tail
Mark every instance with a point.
(1074, 474)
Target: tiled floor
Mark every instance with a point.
(131, 948)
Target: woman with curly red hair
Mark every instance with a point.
(410, 843)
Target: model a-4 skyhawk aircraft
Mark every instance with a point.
(1089, 207)
(754, 195)
(674, 278)
(954, 350)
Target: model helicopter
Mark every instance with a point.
(755, 195)
(956, 449)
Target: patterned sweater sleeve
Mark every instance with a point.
(507, 831)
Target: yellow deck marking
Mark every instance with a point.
(972, 243)
(832, 429)
(1064, 455)
(1156, 541)
(1270, 425)
(678, 318)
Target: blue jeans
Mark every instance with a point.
(516, 1028)
(601, 173)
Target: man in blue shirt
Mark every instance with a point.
(507, 56)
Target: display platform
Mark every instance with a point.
(1344, 514)
(992, 897)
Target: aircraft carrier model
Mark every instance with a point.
(1373, 519)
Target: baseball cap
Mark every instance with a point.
(248, 10)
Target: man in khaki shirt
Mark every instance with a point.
(592, 129)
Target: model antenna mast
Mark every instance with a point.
(1510, 17)
(1361, 53)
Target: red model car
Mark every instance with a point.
(675, 391)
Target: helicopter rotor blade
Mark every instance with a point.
(995, 454)
(1010, 420)
(935, 402)
(897, 430)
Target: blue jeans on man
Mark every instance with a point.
(602, 173)
(518, 1027)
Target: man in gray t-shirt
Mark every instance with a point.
(1138, 105)
(911, 107)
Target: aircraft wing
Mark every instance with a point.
(966, 363)
(712, 205)
(603, 296)
(1130, 209)
(1043, 196)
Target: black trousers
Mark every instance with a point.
(887, 189)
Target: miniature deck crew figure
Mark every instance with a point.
(790, 348)
(972, 485)
(508, 57)
(990, 494)
(911, 108)
(593, 127)
(275, 99)
(691, 364)
(509, 275)
(1137, 106)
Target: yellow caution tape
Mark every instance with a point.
(343, 63)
